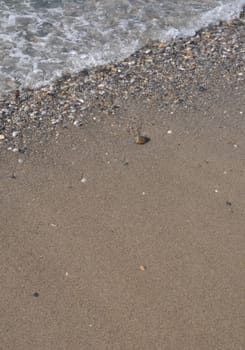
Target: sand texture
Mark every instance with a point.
(109, 244)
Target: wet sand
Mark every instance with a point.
(106, 244)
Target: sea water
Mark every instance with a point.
(41, 39)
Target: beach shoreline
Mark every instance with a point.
(167, 75)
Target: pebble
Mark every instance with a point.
(83, 180)
(55, 121)
(162, 45)
(77, 123)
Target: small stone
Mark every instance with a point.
(2, 137)
(15, 133)
(55, 121)
(23, 149)
(36, 294)
(77, 123)
(142, 267)
(188, 52)
(162, 46)
(83, 180)
(169, 132)
(202, 88)
(101, 86)
(17, 94)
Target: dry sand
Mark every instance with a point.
(174, 205)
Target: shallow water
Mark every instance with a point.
(40, 39)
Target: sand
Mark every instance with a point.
(106, 244)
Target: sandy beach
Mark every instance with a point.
(108, 244)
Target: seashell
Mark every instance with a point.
(141, 140)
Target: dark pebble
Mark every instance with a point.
(22, 150)
(202, 88)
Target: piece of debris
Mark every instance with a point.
(229, 204)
